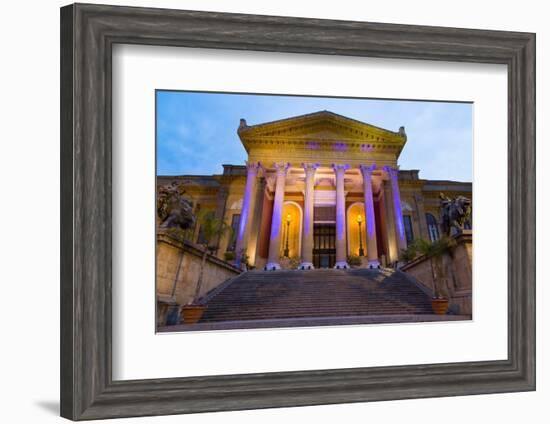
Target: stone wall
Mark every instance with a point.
(178, 267)
(458, 267)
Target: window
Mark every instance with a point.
(433, 228)
(235, 226)
(407, 222)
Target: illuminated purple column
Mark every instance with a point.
(244, 222)
(276, 220)
(341, 254)
(398, 215)
(370, 222)
(307, 225)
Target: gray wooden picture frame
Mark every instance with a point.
(88, 33)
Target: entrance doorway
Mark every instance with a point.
(324, 245)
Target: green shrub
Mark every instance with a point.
(409, 254)
(244, 259)
(229, 256)
(295, 262)
(436, 248)
(354, 260)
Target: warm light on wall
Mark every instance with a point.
(356, 224)
(291, 226)
(361, 250)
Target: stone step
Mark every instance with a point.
(288, 314)
(268, 297)
(313, 308)
(318, 293)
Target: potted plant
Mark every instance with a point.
(211, 229)
(435, 252)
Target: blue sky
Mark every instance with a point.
(197, 132)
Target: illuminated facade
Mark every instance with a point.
(316, 190)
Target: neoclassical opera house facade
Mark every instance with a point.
(317, 189)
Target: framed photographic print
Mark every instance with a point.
(264, 211)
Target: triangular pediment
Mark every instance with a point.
(318, 127)
(321, 136)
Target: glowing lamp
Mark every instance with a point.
(287, 251)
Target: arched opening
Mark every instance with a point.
(357, 246)
(433, 228)
(292, 230)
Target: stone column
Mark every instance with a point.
(370, 221)
(276, 220)
(307, 224)
(391, 236)
(398, 215)
(244, 222)
(341, 247)
(254, 231)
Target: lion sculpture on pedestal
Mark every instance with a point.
(173, 208)
(454, 213)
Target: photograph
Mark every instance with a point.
(282, 210)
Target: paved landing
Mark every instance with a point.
(313, 322)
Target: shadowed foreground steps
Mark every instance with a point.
(259, 299)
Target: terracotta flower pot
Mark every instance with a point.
(440, 306)
(192, 313)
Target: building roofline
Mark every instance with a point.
(244, 126)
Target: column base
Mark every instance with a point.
(272, 266)
(341, 265)
(374, 264)
(306, 265)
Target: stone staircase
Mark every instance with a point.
(272, 295)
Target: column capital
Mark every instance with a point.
(252, 167)
(366, 170)
(340, 167)
(281, 168)
(392, 171)
(310, 168)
